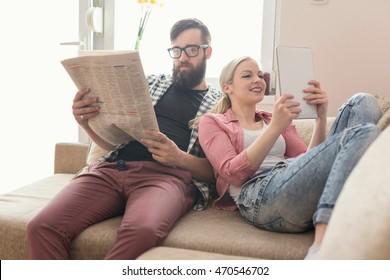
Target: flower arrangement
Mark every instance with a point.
(146, 8)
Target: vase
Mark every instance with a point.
(137, 42)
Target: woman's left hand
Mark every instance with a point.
(318, 97)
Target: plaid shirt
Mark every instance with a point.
(158, 86)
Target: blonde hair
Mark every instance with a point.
(226, 77)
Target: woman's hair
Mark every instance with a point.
(190, 23)
(226, 77)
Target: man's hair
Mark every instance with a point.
(190, 23)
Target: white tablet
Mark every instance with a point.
(295, 70)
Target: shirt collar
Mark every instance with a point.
(266, 116)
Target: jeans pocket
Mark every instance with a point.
(249, 193)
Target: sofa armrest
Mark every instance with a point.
(70, 157)
(359, 227)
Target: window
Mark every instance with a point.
(236, 29)
(36, 92)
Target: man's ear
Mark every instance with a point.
(209, 51)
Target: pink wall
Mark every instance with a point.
(350, 41)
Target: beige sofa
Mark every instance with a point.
(359, 228)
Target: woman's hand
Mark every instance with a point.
(285, 110)
(83, 108)
(318, 97)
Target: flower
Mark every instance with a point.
(146, 9)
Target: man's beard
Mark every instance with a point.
(189, 79)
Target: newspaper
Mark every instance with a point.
(117, 78)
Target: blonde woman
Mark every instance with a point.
(261, 165)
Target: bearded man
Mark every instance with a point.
(153, 183)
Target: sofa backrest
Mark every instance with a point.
(305, 128)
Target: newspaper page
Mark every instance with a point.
(118, 80)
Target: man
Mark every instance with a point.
(151, 187)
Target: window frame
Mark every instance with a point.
(105, 41)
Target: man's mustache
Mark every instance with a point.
(185, 64)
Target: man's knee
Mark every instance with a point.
(34, 227)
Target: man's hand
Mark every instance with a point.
(83, 108)
(166, 152)
(163, 150)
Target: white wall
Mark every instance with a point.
(350, 41)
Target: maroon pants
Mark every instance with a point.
(151, 197)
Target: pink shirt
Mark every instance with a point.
(222, 140)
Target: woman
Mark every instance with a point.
(265, 169)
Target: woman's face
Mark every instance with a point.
(248, 85)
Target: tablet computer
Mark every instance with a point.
(295, 69)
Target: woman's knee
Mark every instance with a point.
(362, 97)
(367, 104)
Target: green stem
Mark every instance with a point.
(137, 42)
(142, 25)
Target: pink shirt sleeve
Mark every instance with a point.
(295, 146)
(220, 142)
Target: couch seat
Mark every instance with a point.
(205, 234)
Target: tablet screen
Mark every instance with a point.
(295, 70)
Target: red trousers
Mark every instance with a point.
(151, 197)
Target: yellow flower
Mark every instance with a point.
(146, 9)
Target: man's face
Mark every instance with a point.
(189, 72)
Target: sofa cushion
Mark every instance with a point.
(384, 103)
(225, 232)
(210, 230)
(18, 207)
(360, 224)
(384, 121)
(169, 253)
(305, 127)
(94, 153)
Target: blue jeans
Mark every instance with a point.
(302, 191)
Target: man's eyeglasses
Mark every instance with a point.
(191, 51)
